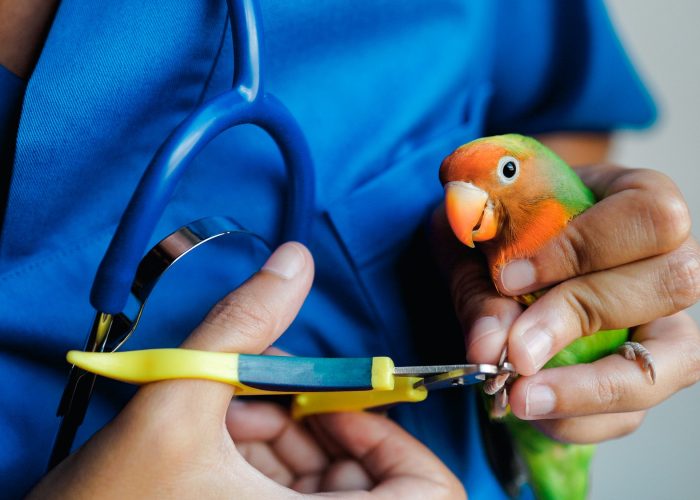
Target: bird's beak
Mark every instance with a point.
(469, 212)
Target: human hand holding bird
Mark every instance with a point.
(626, 261)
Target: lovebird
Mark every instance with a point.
(510, 194)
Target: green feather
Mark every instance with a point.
(590, 348)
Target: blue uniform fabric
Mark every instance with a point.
(11, 88)
(383, 91)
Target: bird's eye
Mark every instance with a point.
(508, 169)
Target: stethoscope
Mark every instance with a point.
(125, 274)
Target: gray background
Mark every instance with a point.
(661, 459)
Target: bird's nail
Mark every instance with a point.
(539, 400)
(286, 262)
(485, 330)
(537, 341)
(517, 275)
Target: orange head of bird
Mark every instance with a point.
(509, 188)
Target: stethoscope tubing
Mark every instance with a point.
(245, 103)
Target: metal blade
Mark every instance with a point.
(443, 376)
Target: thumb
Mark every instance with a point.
(249, 319)
(246, 321)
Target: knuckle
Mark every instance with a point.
(249, 315)
(670, 218)
(645, 179)
(642, 180)
(683, 278)
(468, 292)
(662, 210)
(608, 391)
(585, 307)
(575, 247)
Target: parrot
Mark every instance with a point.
(510, 194)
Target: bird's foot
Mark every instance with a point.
(634, 351)
(499, 409)
(497, 386)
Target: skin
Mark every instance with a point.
(187, 439)
(23, 28)
(637, 239)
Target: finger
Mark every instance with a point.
(324, 438)
(250, 318)
(307, 484)
(617, 298)
(641, 213)
(614, 384)
(591, 429)
(401, 466)
(275, 351)
(268, 423)
(485, 315)
(247, 320)
(263, 458)
(346, 475)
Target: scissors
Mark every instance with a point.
(123, 275)
(320, 385)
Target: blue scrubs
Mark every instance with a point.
(383, 91)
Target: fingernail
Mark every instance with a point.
(538, 344)
(539, 400)
(286, 262)
(518, 274)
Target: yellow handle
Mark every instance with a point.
(311, 403)
(152, 365)
(251, 375)
(140, 367)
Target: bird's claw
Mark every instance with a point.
(634, 351)
(500, 404)
(497, 386)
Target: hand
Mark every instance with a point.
(628, 260)
(174, 438)
(338, 452)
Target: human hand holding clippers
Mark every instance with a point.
(186, 438)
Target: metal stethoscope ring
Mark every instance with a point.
(122, 272)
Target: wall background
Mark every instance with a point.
(662, 459)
